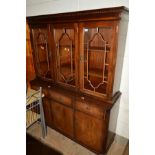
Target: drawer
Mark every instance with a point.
(56, 95)
(89, 108)
(59, 97)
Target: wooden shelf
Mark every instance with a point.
(66, 65)
(66, 46)
(94, 48)
(43, 62)
(96, 73)
(42, 44)
(66, 69)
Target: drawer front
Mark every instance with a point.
(89, 108)
(63, 118)
(57, 96)
(60, 97)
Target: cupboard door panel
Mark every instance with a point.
(89, 131)
(42, 52)
(47, 111)
(63, 118)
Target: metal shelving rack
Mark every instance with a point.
(34, 109)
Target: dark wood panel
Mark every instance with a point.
(90, 131)
(30, 72)
(63, 118)
(47, 111)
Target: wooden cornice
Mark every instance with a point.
(113, 13)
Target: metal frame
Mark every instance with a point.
(34, 111)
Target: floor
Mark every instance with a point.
(69, 147)
(36, 147)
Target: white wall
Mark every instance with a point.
(123, 116)
(40, 7)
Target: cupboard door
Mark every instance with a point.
(96, 45)
(65, 38)
(42, 52)
(89, 131)
(63, 118)
(47, 111)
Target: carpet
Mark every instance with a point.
(35, 147)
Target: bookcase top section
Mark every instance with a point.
(113, 13)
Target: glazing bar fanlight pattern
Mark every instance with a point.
(65, 57)
(104, 44)
(42, 49)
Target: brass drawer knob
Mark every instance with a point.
(82, 97)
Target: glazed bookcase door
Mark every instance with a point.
(41, 52)
(65, 49)
(96, 48)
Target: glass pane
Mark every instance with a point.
(96, 52)
(41, 52)
(64, 39)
